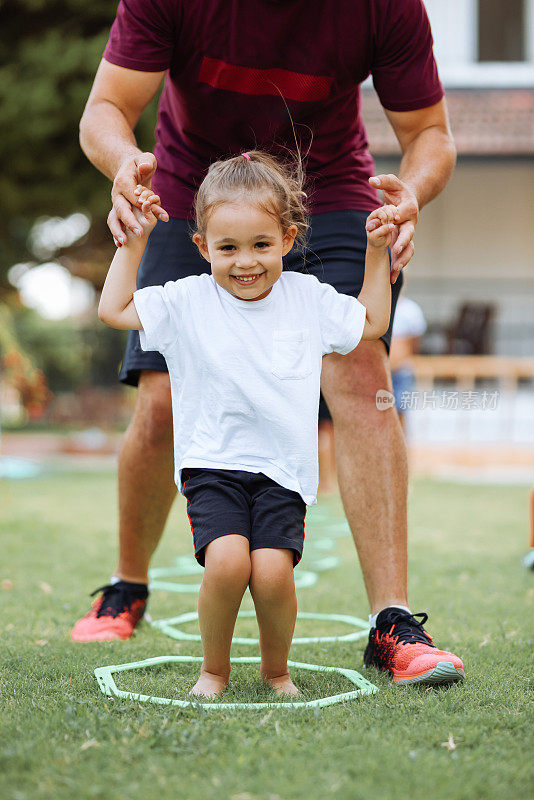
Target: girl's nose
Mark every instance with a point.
(246, 260)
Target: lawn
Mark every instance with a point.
(62, 738)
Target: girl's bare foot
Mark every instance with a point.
(209, 685)
(282, 684)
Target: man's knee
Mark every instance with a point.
(153, 410)
(350, 383)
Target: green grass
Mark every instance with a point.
(61, 738)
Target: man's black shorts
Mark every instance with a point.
(249, 504)
(334, 253)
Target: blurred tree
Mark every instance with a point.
(57, 348)
(19, 369)
(69, 353)
(49, 53)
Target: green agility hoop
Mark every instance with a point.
(104, 676)
(181, 571)
(186, 566)
(322, 564)
(338, 530)
(322, 543)
(170, 628)
(303, 579)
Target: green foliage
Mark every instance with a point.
(57, 349)
(70, 355)
(49, 54)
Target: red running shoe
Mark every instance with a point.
(400, 644)
(114, 614)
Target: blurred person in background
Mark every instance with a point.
(269, 74)
(409, 326)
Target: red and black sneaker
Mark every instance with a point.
(400, 644)
(114, 614)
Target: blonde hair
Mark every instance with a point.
(274, 187)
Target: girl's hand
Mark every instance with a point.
(147, 200)
(145, 214)
(381, 226)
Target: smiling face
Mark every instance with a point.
(244, 245)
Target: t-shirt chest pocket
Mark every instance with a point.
(291, 354)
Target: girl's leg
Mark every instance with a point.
(272, 586)
(226, 576)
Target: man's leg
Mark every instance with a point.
(372, 469)
(146, 493)
(146, 477)
(372, 472)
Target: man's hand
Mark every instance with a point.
(400, 195)
(136, 170)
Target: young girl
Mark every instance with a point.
(244, 348)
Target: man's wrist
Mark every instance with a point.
(129, 153)
(416, 189)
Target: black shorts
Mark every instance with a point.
(226, 501)
(335, 253)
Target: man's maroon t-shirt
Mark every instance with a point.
(238, 72)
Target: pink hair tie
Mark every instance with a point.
(246, 155)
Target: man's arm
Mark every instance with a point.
(428, 150)
(428, 159)
(116, 102)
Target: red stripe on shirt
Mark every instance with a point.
(247, 80)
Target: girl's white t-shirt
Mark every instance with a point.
(245, 375)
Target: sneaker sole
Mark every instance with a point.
(443, 672)
(102, 636)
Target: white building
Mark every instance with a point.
(475, 242)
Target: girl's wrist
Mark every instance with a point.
(376, 248)
(136, 243)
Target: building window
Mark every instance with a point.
(501, 30)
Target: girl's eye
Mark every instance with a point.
(262, 244)
(227, 247)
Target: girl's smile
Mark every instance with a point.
(245, 245)
(247, 280)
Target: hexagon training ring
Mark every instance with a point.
(104, 676)
(170, 628)
(303, 579)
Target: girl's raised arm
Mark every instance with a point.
(376, 290)
(116, 307)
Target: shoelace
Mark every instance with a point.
(115, 600)
(406, 629)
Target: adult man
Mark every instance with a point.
(260, 73)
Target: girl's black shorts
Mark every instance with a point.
(334, 253)
(224, 501)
